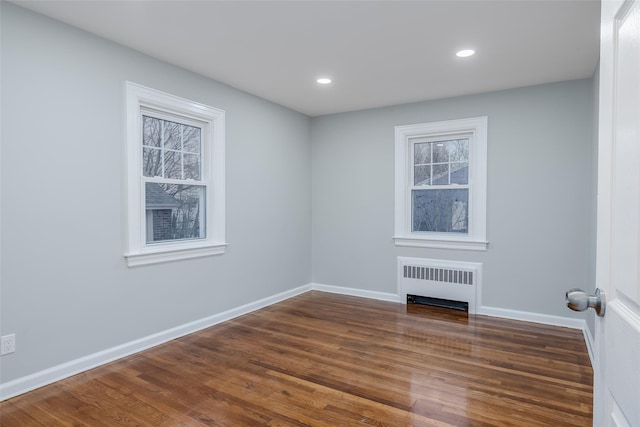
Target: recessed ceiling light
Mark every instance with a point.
(464, 53)
(324, 81)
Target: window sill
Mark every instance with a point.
(168, 255)
(460, 244)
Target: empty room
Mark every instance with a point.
(320, 213)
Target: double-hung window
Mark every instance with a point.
(441, 184)
(175, 185)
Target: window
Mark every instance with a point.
(175, 185)
(441, 184)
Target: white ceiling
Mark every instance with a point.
(377, 53)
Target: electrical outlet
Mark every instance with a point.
(7, 344)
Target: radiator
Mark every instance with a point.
(440, 279)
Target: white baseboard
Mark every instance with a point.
(73, 367)
(384, 296)
(591, 344)
(545, 319)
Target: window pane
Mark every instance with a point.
(191, 139)
(440, 210)
(173, 164)
(421, 153)
(174, 212)
(458, 150)
(150, 131)
(151, 161)
(192, 166)
(172, 137)
(440, 174)
(440, 152)
(422, 175)
(460, 173)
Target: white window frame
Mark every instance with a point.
(212, 122)
(476, 238)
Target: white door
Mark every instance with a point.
(617, 367)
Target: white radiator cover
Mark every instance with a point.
(444, 279)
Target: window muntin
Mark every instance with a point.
(170, 149)
(175, 185)
(440, 162)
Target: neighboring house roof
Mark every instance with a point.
(157, 198)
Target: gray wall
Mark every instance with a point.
(66, 291)
(539, 194)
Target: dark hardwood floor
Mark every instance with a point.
(331, 360)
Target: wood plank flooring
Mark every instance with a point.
(320, 359)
